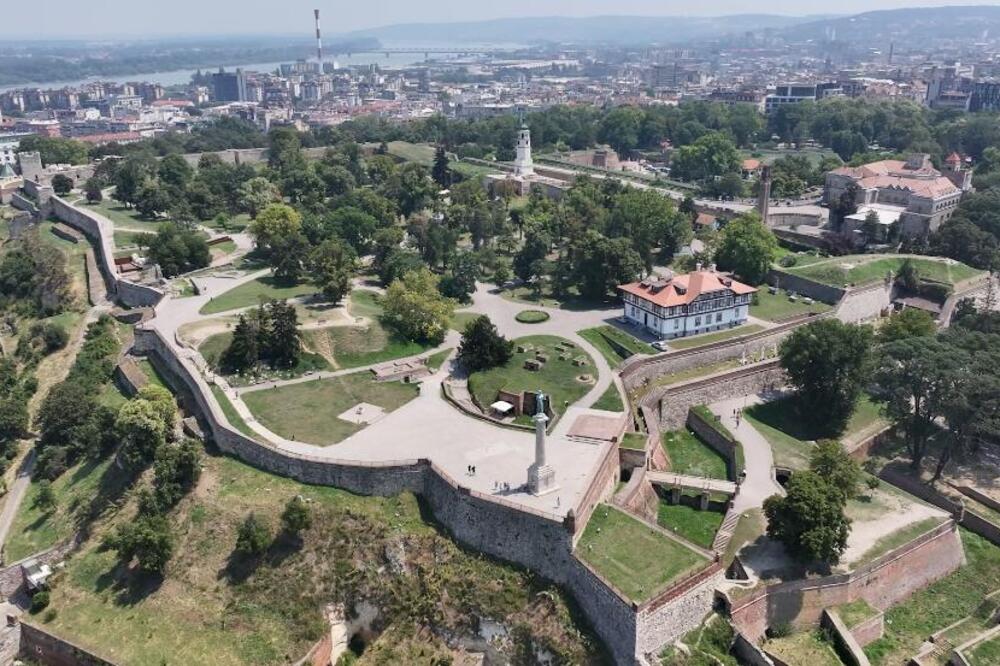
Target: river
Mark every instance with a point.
(183, 76)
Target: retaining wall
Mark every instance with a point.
(805, 287)
(541, 542)
(129, 293)
(883, 583)
(644, 370)
(672, 403)
(870, 630)
(639, 497)
(843, 639)
(727, 447)
(42, 647)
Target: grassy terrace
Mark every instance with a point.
(637, 560)
(940, 604)
(779, 307)
(807, 648)
(557, 378)
(615, 344)
(986, 653)
(689, 455)
(792, 438)
(718, 336)
(123, 217)
(898, 538)
(635, 441)
(253, 292)
(610, 400)
(698, 527)
(308, 412)
(460, 320)
(855, 613)
(860, 269)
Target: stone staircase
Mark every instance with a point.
(725, 533)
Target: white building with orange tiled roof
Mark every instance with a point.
(673, 306)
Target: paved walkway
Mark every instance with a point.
(428, 426)
(15, 495)
(759, 483)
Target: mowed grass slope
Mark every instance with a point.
(867, 269)
(637, 560)
(254, 292)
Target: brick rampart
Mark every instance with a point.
(42, 647)
(883, 583)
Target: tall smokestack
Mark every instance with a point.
(319, 42)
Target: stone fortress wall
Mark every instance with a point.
(541, 542)
(882, 583)
(129, 293)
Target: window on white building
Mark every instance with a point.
(697, 322)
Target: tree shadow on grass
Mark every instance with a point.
(111, 488)
(241, 566)
(785, 415)
(130, 584)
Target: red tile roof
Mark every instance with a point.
(684, 289)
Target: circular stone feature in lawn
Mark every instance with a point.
(532, 316)
(585, 379)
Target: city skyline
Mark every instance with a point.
(53, 19)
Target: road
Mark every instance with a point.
(15, 495)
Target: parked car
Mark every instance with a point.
(661, 345)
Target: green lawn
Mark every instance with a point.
(127, 238)
(235, 223)
(986, 653)
(222, 249)
(364, 303)
(615, 344)
(353, 347)
(610, 400)
(123, 217)
(778, 307)
(437, 359)
(792, 438)
(855, 612)
(532, 316)
(557, 378)
(940, 604)
(635, 441)
(864, 269)
(698, 527)
(689, 455)
(308, 411)
(708, 338)
(255, 291)
(808, 648)
(34, 530)
(460, 320)
(151, 374)
(232, 415)
(637, 560)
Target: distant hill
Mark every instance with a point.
(919, 25)
(638, 30)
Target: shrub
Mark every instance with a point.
(531, 316)
(253, 537)
(788, 261)
(39, 602)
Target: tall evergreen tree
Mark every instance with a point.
(283, 345)
(440, 172)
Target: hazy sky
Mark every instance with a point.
(62, 18)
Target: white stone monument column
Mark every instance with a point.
(541, 477)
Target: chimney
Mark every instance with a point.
(319, 43)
